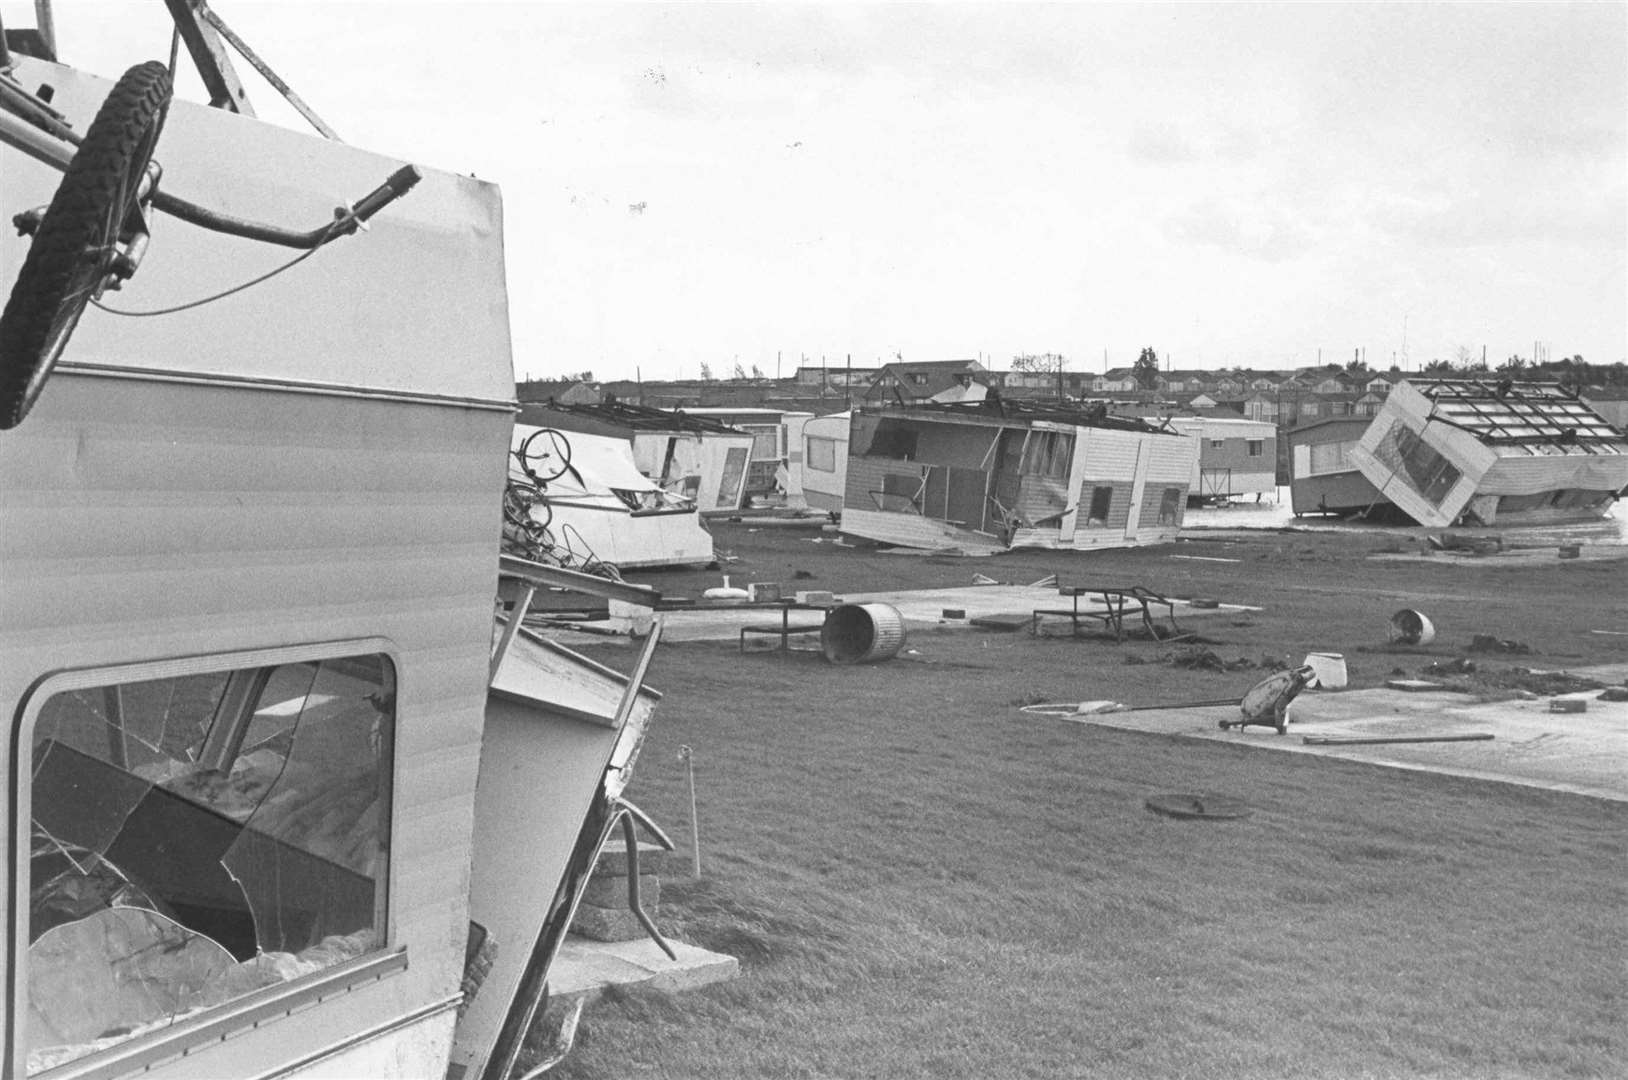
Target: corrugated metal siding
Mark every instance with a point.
(1530, 475)
(151, 520)
(1110, 455)
(1169, 460)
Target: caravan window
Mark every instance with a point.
(822, 454)
(199, 835)
(1048, 453)
(1257, 447)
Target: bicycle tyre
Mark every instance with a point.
(72, 248)
(558, 453)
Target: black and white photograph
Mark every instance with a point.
(814, 540)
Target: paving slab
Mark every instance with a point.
(585, 968)
(1584, 753)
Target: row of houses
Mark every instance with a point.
(1244, 391)
(1283, 398)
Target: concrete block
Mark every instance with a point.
(611, 891)
(609, 924)
(653, 859)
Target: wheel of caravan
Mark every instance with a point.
(76, 243)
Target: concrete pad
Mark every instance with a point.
(584, 968)
(1583, 753)
(921, 609)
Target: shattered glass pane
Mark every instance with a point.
(196, 838)
(310, 858)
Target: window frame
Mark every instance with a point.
(248, 1011)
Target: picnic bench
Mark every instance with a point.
(1116, 601)
(784, 629)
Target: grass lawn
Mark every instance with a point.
(922, 882)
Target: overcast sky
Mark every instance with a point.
(1229, 184)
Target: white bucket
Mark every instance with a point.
(1330, 669)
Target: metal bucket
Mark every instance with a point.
(862, 633)
(1409, 627)
(1330, 669)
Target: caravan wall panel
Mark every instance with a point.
(148, 520)
(1111, 455)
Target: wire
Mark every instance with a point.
(301, 257)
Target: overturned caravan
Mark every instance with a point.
(1491, 452)
(275, 775)
(992, 475)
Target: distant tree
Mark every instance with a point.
(1041, 362)
(706, 371)
(740, 372)
(757, 372)
(582, 376)
(1439, 367)
(1515, 365)
(1146, 369)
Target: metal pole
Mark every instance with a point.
(687, 756)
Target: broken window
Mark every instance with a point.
(1418, 463)
(901, 494)
(1170, 506)
(893, 439)
(197, 837)
(1048, 453)
(729, 487)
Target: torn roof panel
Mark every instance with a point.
(1542, 416)
(624, 415)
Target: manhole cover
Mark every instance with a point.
(1185, 805)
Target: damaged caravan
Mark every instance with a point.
(702, 460)
(590, 508)
(1492, 453)
(991, 475)
(283, 798)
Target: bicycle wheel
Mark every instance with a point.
(75, 244)
(549, 459)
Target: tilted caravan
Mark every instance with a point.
(600, 509)
(992, 475)
(1492, 452)
(274, 775)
